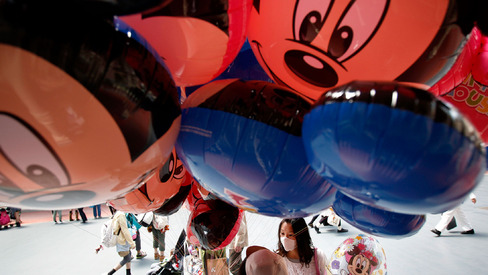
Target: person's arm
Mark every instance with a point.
(124, 230)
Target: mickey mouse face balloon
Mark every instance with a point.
(86, 112)
(162, 186)
(314, 45)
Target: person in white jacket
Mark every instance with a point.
(460, 217)
(159, 226)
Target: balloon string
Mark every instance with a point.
(300, 231)
(183, 95)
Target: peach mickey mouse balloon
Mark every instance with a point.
(86, 112)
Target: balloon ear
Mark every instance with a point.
(394, 147)
(197, 39)
(376, 221)
(242, 141)
(256, 4)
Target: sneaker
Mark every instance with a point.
(141, 255)
(435, 231)
(471, 231)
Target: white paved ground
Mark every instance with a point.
(69, 248)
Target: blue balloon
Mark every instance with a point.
(242, 142)
(376, 221)
(394, 147)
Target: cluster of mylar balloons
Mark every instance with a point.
(282, 108)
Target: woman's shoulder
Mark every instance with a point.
(119, 215)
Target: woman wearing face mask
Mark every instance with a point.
(295, 245)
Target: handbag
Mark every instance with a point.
(133, 232)
(132, 228)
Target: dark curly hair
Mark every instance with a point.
(306, 251)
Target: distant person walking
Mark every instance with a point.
(460, 217)
(59, 214)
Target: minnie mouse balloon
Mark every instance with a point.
(313, 46)
(197, 39)
(87, 112)
(394, 147)
(242, 142)
(359, 255)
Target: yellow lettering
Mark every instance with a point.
(474, 98)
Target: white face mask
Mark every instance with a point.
(288, 244)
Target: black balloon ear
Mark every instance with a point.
(256, 4)
(472, 13)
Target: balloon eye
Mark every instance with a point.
(357, 26)
(42, 175)
(310, 27)
(358, 263)
(340, 41)
(30, 154)
(309, 19)
(166, 171)
(179, 172)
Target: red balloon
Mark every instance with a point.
(213, 223)
(465, 85)
(197, 39)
